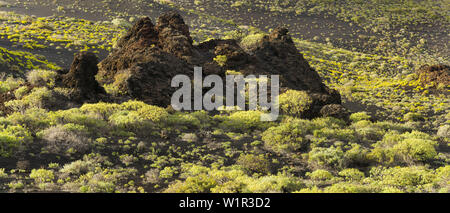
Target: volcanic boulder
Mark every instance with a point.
(436, 76)
(80, 79)
(149, 56)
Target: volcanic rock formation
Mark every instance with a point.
(436, 76)
(149, 56)
(80, 79)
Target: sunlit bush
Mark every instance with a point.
(62, 140)
(344, 187)
(407, 179)
(42, 175)
(34, 119)
(326, 157)
(404, 148)
(352, 174)
(249, 42)
(244, 121)
(320, 175)
(286, 137)
(13, 139)
(39, 97)
(295, 103)
(359, 116)
(42, 78)
(254, 163)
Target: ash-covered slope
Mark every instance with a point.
(149, 56)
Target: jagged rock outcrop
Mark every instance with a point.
(436, 76)
(149, 56)
(80, 79)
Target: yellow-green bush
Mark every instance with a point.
(331, 157)
(295, 103)
(13, 139)
(254, 163)
(152, 113)
(42, 175)
(286, 137)
(42, 78)
(10, 84)
(406, 179)
(404, 148)
(359, 116)
(34, 119)
(198, 179)
(244, 121)
(352, 174)
(328, 134)
(40, 97)
(344, 187)
(101, 109)
(126, 119)
(320, 175)
(184, 120)
(413, 150)
(76, 116)
(250, 41)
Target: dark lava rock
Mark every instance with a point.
(436, 75)
(81, 78)
(149, 56)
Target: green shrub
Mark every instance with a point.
(444, 131)
(359, 116)
(202, 183)
(10, 84)
(331, 135)
(404, 148)
(386, 125)
(244, 121)
(221, 60)
(101, 110)
(254, 163)
(34, 119)
(152, 113)
(13, 139)
(326, 157)
(126, 119)
(413, 116)
(356, 156)
(21, 91)
(368, 131)
(272, 184)
(406, 179)
(345, 187)
(413, 150)
(60, 140)
(42, 78)
(199, 179)
(286, 137)
(352, 174)
(39, 97)
(249, 42)
(328, 122)
(320, 175)
(120, 22)
(3, 173)
(295, 103)
(168, 172)
(42, 175)
(78, 167)
(76, 116)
